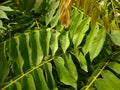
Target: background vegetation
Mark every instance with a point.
(59, 45)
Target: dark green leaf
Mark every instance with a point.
(4, 70)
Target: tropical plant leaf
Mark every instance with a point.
(97, 43)
(40, 80)
(49, 77)
(115, 37)
(4, 69)
(37, 52)
(111, 79)
(80, 32)
(53, 5)
(76, 21)
(64, 74)
(105, 86)
(55, 19)
(5, 8)
(93, 33)
(28, 82)
(54, 42)
(114, 66)
(15, 86)
(64, 40)
(37, 5)
(3, 14)
(81, 59)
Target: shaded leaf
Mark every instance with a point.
(28, 82)
(15, 86)
(81, 59)
(49, 77)
(114, 66)
(4, 70)
(15, 56)
(115, 37)
(53, 5)
(37, 5)
(40, 80)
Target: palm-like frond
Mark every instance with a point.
(55, 59)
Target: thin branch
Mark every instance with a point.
(25, 74)
(37, 24)
(89, 85)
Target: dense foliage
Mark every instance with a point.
(60, 44)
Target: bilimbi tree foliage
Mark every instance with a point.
(60, 45)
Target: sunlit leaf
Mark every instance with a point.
(102, 85)
(64, 40)
(80, 32)
(54, 42)
(5, 8)
(3, 14)
(111, 79)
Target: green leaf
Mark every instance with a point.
(81, 59)
(1, 24)
(5, 8)
(37, 5)
(64, 40)
(64, 73)
(90, 38)
(97, 43)
(28, 82)
(15, 56)
(80, 32)
(75, 23)
(45, 43)
(49, 77)
(25, 51)
(111, 79)
(115, 37)
(55, 19)
(54, 42)
(40, 80)
(114, 66)
(100, 84)
(15, 86)
(53, 5)
(74, 14)
(30, 5)
(70, 66)
(3, 14)
(4, 70)
(35, 44)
